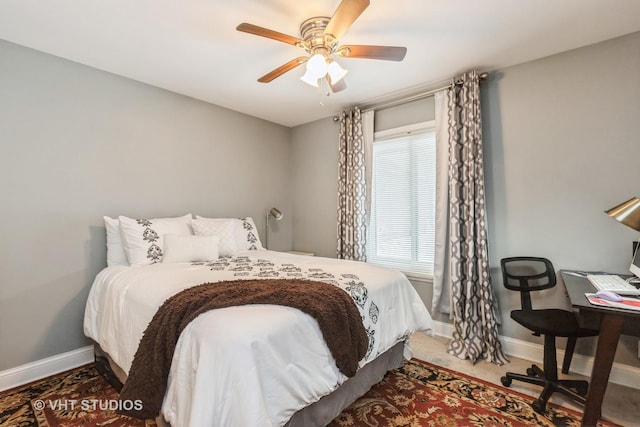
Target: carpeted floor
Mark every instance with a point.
(418, 394)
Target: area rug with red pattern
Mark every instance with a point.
(417, 394)
(422, 394)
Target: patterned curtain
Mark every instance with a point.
(473, 309)
(352, 187)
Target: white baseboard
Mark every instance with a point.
(625, 375)
(43, 368)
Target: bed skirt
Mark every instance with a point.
(317, 414)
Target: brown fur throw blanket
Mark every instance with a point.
(333, 308)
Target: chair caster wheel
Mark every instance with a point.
(506, 381)
(539, 407)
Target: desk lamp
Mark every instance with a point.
(627, 213)
(277, 215)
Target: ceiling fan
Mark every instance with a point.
(320, 37)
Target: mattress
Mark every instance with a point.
(251, 365)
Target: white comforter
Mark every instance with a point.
(253, 365)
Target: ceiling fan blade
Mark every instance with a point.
(270, 34)
(338, 87)
(387, 53)
(345, 15)
(283, 69)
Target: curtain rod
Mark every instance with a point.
(389, 104)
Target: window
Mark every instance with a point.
(402, 227)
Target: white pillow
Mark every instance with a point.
(179, 248)
(143, 239)
(115, 249)
(224, 230)
(246, 232)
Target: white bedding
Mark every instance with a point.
(253, 365)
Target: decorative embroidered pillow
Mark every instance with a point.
(179, 248)
(246, 232)
(247, 236)
(115, 249)
(224, 230)
(143, 238)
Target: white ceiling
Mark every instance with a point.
(191, 46)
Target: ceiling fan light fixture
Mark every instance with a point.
(321, 40)
(317, 66)
(310, 79)
(336, 72)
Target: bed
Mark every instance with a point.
(254, 365)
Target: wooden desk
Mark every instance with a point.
(611, 323)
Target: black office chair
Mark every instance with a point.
(530, 274)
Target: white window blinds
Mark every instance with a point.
(402, 227)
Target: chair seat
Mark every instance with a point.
(551, 321)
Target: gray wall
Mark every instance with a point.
(77, 144)
(410, 113)
(315, 187)
(561, 146)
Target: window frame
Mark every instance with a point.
(381, 137)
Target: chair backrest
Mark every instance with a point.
(527, 274)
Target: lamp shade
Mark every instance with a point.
(336, 72)
(276, 214)
(627, 213)
(317, 66)
(310, 79)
